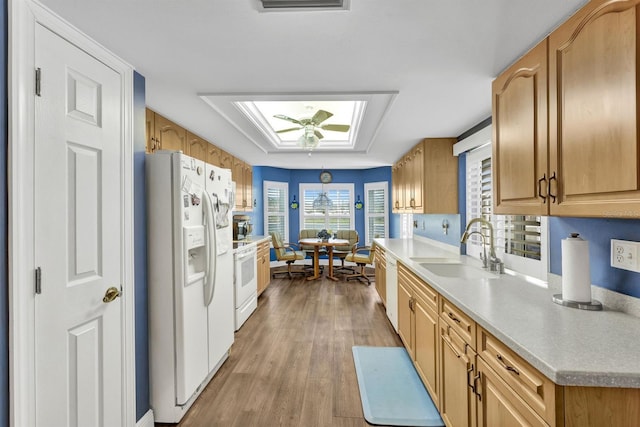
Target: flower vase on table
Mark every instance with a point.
(324, 235)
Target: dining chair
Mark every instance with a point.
(309, 233)
(288, 253)
(362, 260)
(341, 252)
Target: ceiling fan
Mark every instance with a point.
(312, 125)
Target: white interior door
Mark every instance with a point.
(78, 237)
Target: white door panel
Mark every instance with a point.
(78, 242)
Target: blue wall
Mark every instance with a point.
(430, 225)
(140, 247)
(4, 310)
(297, 176)
(599, 233)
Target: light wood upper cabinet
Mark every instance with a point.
(247, 176)
(196, 147)
(218, 157)
(150, 131)
(397, 186)
(168, 135)
(415, 177)
(242, 174)
(440, 183)
(425, 180)
(520, 135)
(593, 111)
(593, 146)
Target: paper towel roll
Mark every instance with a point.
(576, 279)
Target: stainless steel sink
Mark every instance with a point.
(461, 271)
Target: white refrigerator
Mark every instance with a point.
(191, 305)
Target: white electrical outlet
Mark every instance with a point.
(624, 254)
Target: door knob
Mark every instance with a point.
(111, 294)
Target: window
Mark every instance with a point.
(336, 216)
(520, 240)
(406, 226)
(276, 214)
(376, 204)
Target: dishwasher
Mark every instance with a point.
(392, 290)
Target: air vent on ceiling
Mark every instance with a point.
(273, 5)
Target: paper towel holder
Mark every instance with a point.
(593, 305)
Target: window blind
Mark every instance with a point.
(376, 206)
(276, 212)
(518, 235)
(335, 216)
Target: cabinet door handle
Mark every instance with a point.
(551, 195)
(446, 340)
(475, 386)
(454, 318)
(507, 366)
(472, 386)
(540, 181)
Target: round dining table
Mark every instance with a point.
(317, 244)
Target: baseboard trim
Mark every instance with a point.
(146, 420)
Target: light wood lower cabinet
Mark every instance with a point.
(475, 380)
(500, 405)
(263, 260)
(418, 326)
(426, 345)
(405, 316)
(457, 366)
(381, 274)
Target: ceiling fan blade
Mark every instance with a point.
(318, 134)
(336, 128)
(283, 117)
(288, 130)
(320, 116)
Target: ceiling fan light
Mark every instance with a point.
(308, 141)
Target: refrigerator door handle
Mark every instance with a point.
(210, 278)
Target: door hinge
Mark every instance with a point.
(38, 280)
(38, 81)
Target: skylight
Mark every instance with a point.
(284, 133)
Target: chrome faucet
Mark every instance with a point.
(493, 262)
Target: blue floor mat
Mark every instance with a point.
(391, 390)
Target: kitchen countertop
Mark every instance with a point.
(569, 346)
(252, 240)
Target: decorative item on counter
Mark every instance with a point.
(576, 278)
(294, 203)
(324, 235)
(359, 203)
(445, 226)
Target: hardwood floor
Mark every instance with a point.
(291, 363)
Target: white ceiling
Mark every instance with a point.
(440, 56)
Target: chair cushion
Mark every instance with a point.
(359, 258)
(308, 233)
(292, 256)
(351, 236)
